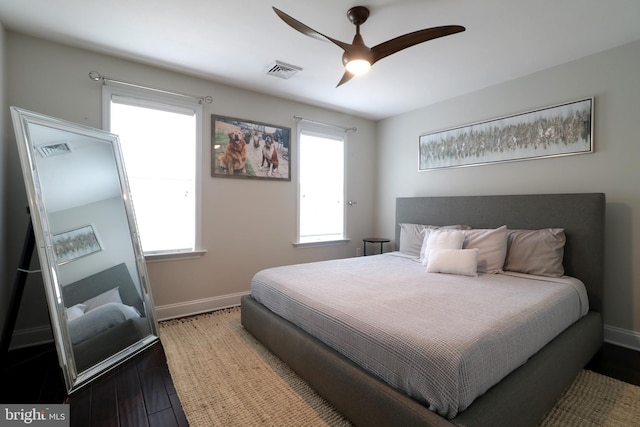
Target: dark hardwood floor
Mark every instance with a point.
(32, 375)
(141, 391)
(138, 393)
(617, 362)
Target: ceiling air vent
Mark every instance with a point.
(282, 70)
(54, 149)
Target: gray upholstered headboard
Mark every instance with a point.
(581, 215)
(100, 282)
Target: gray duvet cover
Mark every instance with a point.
(441, 339)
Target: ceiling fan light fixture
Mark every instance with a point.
(358, 66)
(358, 57)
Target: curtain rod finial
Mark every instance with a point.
(95, 76)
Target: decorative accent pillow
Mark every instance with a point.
(411, 237)
(75, 311)
(491, 245)
(440, 239)
(538, 252)
(453, 261)
(112, 295)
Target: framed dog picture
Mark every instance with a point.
(248, 149)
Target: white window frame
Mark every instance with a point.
(331, 133)
(152, 99)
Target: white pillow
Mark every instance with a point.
(412, 236)
(75, 311)
(491, 245)
(453, 261)
(112, 295)
(440, 239)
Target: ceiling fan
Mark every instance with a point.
(357, 57)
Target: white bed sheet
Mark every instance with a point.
(442, 339)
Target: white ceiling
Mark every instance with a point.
(233, 42)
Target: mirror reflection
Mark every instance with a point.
(93, 268)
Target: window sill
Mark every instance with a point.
(174, 256)
(321, 243)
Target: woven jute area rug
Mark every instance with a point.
(225, 377)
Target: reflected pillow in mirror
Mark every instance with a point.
(112, 295)
(75, 311)
(100, 319)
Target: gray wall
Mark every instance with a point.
(246, 225)
(612, 77)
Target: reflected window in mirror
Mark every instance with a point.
(160, 139)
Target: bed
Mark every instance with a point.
(530, 388)
(111, 322)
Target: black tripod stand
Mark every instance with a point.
(17, 292)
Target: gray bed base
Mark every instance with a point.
(523, 397)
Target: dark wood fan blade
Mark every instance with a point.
(345, 78)
(308, 31)
(411, 39)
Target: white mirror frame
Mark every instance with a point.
(22, 120)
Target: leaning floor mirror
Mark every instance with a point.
(92, 263)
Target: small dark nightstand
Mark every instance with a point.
(366, 240)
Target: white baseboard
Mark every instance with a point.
(622, 337)
(190, 308)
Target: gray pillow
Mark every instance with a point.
(538, 252)
(411, 237)
(491, 245)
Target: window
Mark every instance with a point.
(321, 213)
(160, 141)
